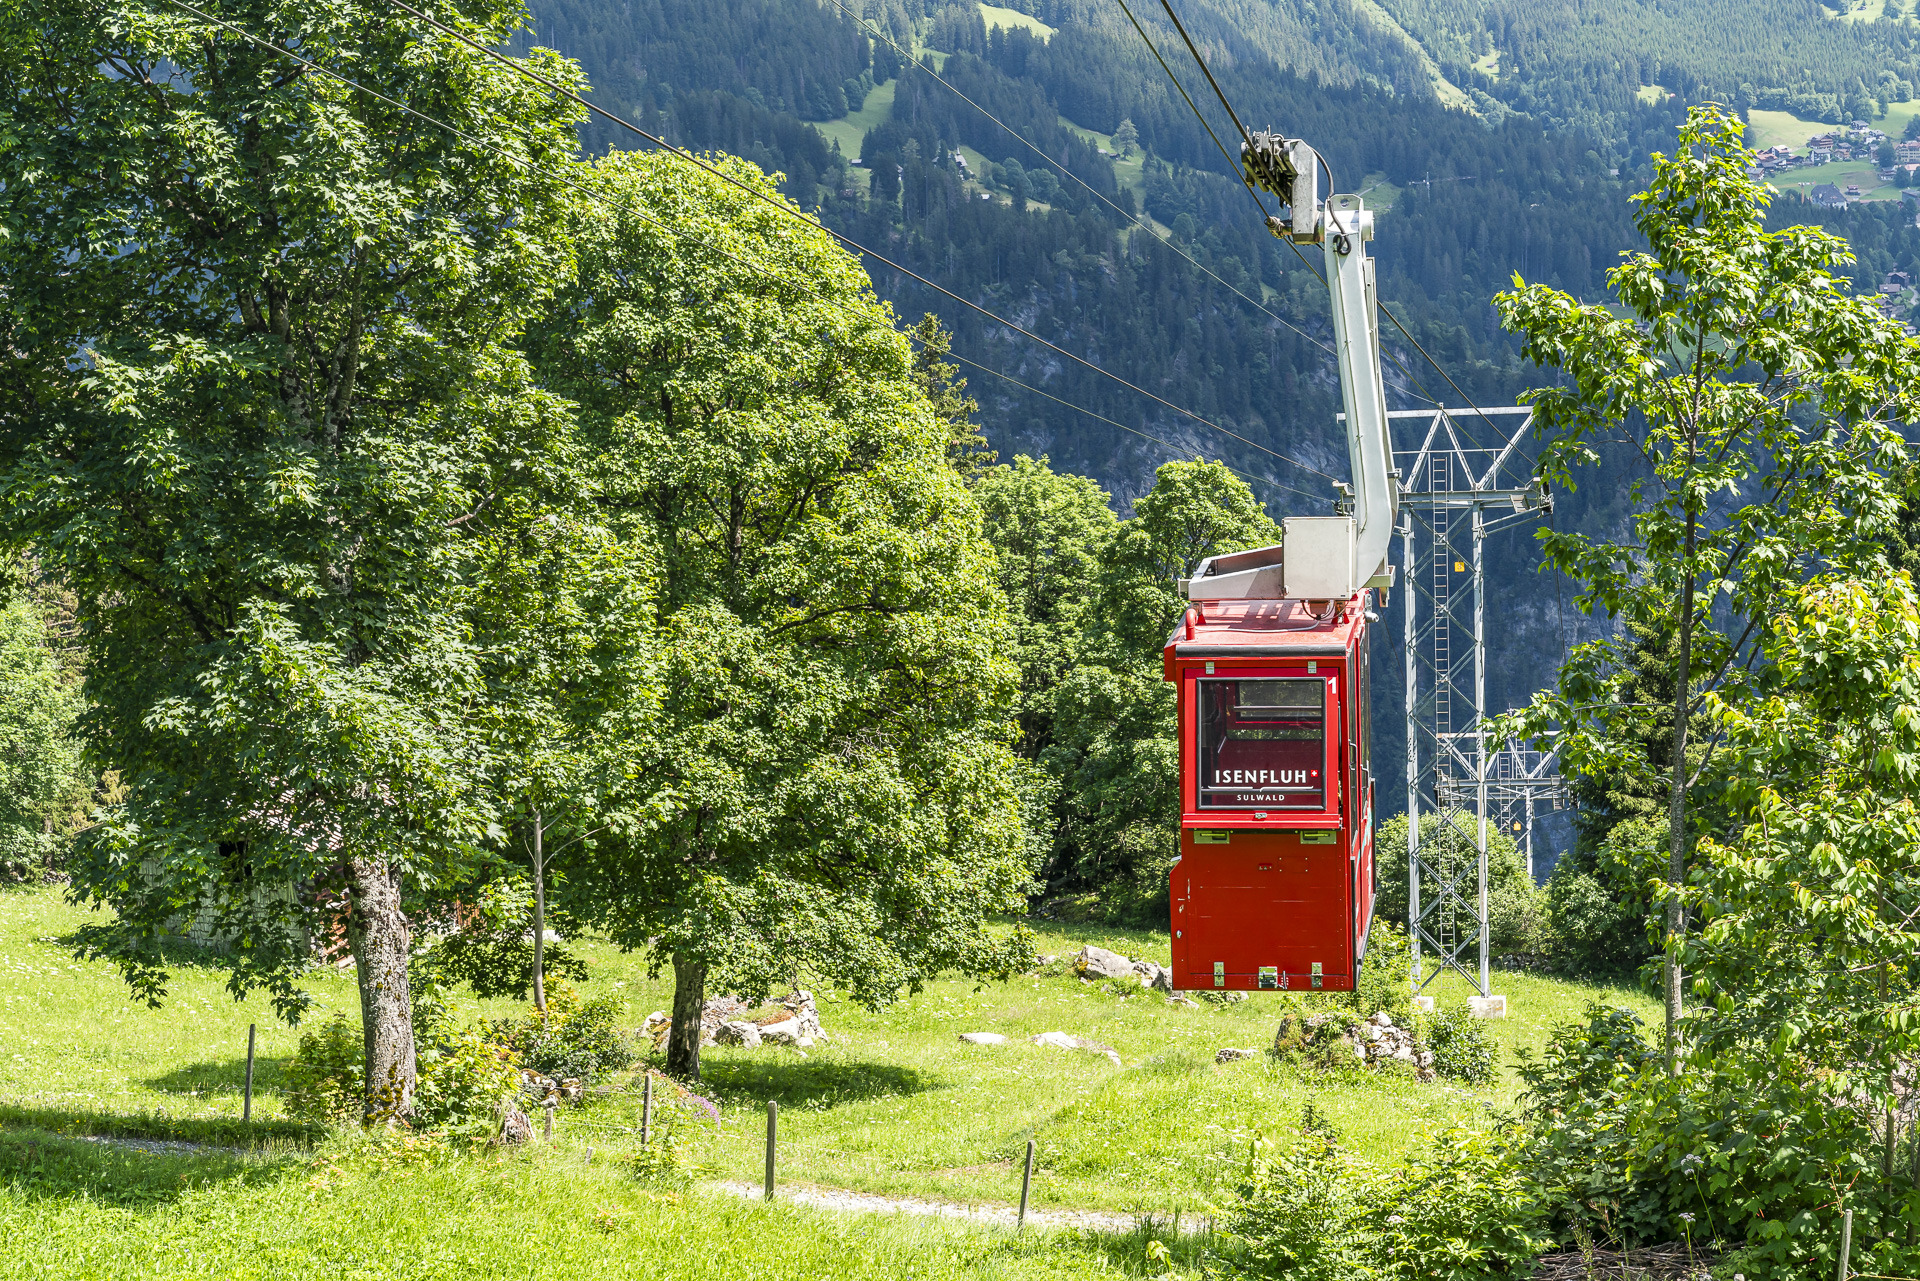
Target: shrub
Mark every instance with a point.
(1515, 914)
(493, 948)
(326, 1081)
(1461, 1048)
(1463, 1206)
(1385, 981)
(1749, 1148)
(464, 1075)
(670, 1156)
(1596, 903)
(577, 1038)
(1298, 1214)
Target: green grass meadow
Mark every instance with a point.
(894, 1103)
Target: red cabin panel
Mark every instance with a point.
(1274, 886)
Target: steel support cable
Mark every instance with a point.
(1066, 172)
(1233, 166)
(1235, 117)
(1207, 71)
(796, 213)
(676, 232)
(1238, 170)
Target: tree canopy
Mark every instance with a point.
(1764, 398)
(261, 402)
(829, 773)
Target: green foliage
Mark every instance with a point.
(966, 448)
(326, 1079)
(576, 1037)
(258, 429)
(464, 1075)
(44, 785)
(1515, 909)
(1597, 904)
(825, 785)
(1460, 1045)
(491, 947)
(1463, 1206)
(1194, 510)
(1048, 530)
(671, 1155)
(1763, 396)
(1385, 981)
(1751, 1149)
(1296, 1214)
(1584, 71)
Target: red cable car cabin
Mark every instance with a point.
(1274, 884)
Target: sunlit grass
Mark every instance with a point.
(358, 1211)
(895, 1102)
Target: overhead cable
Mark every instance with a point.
(1235, 117)
(678, 233)
(794, 212)
(878, 34)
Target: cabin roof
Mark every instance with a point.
(1265, 628)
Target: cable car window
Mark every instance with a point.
(1262, 744)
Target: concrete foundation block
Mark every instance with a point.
(1423, 1003)
(1488, 1007)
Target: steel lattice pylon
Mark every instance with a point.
(1453, 494)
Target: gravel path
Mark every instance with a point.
(996, 1215)
(838, 1199)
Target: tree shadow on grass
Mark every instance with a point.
(808, 1083)
(222, 1076)
(172, 952)
(213, 1131)
(48, 1165)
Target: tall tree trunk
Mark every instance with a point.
(1677, 809)
(689, 1000)
(539, 920)
(378, 933)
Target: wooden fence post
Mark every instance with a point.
(773, 1126)
(246, 1106)
(1026, 1187)
(1846, 1243)
(646, 1111)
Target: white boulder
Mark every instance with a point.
(737, 1032)
(785, 1032)
(1098, 963)
(983, 1038)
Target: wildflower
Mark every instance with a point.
(1687, 1217)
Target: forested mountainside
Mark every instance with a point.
(1466, 200)
(1584, 63)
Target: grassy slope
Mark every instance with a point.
(896, 1103)
(851, 130)
(1861, 173)
(996, 16)
(1781, 129)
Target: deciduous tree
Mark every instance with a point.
(1762, 396)
(834, 792)
(261, 400)
(1115, 752)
